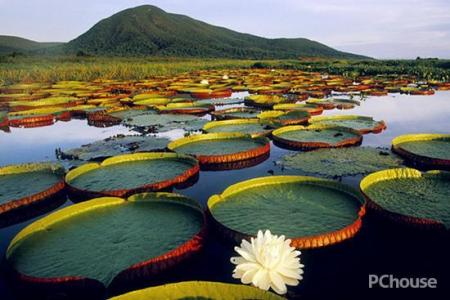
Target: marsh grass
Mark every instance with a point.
(52, 69)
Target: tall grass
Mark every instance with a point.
(51, 69)
(28, 69)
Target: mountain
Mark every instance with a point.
(13, 44)
(149, 31)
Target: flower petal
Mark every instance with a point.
(277, 283)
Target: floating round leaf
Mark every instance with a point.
(185, 108)
(199, 290)
(313, 212)
(108, 241)
(360, 123)
(410, 197)
(130, 173)
(247, 126)
(216, 148)
(264, 101)
(277, 118)
(310, 108)
(114, 146)
(166, 122)
(316, 136)
(341, 162)
(27, 185)
(427, 150)
(219, 101)
(235, 113)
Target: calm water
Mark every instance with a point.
(335, 271)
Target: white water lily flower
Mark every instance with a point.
(204, 81)
(225, 77)
(268, 261)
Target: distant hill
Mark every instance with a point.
(14, 44)
(149, 31)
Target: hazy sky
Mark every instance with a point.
(378, 28)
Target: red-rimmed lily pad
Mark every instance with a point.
(410, 197)
(247, 126)
(313, 212)
(430, 151)
(127, 174)
(217, 148)
(316, 136)
(362, 124)
(235, 113)
(106, 243)
(28, 187)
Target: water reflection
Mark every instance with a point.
(402, 114)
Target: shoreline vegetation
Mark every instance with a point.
(17, 69)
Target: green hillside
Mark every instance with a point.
(13, 44)
(149, 31)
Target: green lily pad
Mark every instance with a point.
(166, 122)
(216, 144)
(360, 123)
(433, 146)
(201, 290)
(129, 113)
(296, 206)
(236, 113)
(436, 149)
(407, 193)
(100, 238)
(318, 136)
(19, 181)
(220, 101)
(130, 171)
(247, 126)
(342, 162)
(116, 145)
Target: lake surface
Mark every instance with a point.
(376, 249)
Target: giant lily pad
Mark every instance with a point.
(129, 173)
(319, 136)
(108, 241)
(199, 290)
(264, 101)
(310, 108)
(215, 148)
(427, 150)
(25, 185)
(410, 197)
(334, 103)
(360, 123)
(341, 162)
(186, 108)
(116, 145)
(278, 118)
(312, 212)
(166, 122)
(235, 113)
(248, 126)
(219, 101)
